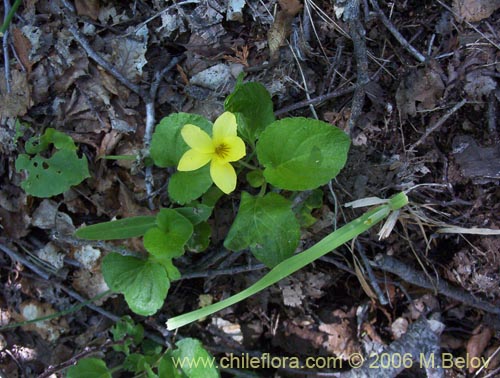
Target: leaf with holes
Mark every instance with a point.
(54, 175)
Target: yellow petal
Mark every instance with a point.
(192, 160)
(223, 176)
(197, 139)
(224, 126)
(236, 148)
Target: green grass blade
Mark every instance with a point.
(294, 263)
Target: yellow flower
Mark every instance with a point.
(224, 147)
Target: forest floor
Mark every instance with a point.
(421, 112)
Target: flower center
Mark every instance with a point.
(222, 150)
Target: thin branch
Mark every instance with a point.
(102, 62)
(5, 41)
(87, 351)
(222, 272)
(373, 280)
(410, 275)
(314, 101)
(17, 257)
(438, 124)
(402, 40)
(150, 123)
(492, 116)
(357, 33)
(420, 343)
(470, 25)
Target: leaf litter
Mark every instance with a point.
(54, 83)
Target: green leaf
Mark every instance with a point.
(167, 145)
(194, 360)
(166, 367)
(143, 283)
(89, 368)
(126, 327)
(185, 187)
(211, 197)
(303, 211)
(136, 363)
(196, 213)
(253, 102)
(168, 238)
(298, 261)
(255, 178)
(200, 239)
(302, 153)
(119, 229)
(54, 175)
(267, 225)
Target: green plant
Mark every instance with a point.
(146, 358)
(49, 176)
(283, 158)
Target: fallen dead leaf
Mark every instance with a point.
(49, 330)
(280, 29)
(89, 8)
(478, 343)
(399, 327)
(474, 10)
(420, 89)
(91, 284)
(451, 342)
(22, 45)
(493, 354)
(341, 336)
(17, 102)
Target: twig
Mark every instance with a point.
(373, 280)
(438, 124)
(314, 101)
(357, 33)
(222, 272)
(492, 116)
(150, 123)
(408, 274)
(420, 342)
(87, 351)
(147, 97)
(472, 26)
(402, 40)
(5, 41)
(102, 62)
(16, 256)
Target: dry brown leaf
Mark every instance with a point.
(474, 10)
(477, 344)
(17, 102)
(451, 342)
(292, 292)
(22, 45)
(281, 26)
(399, 327)
(420, 89)
(91, 284)
(49, 330)
(341, 340)
(89, 8)
(493, 354)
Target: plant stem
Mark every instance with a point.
(247, 165)
(294, 263)
(9, 17)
